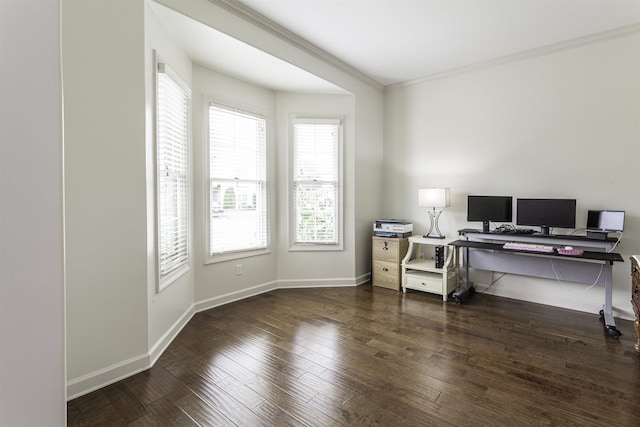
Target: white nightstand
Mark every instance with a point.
(419, 270)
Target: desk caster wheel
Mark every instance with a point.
(613, 332)
(472, 291)
(457, 299)
(601, 313)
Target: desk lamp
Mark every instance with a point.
(434, 198)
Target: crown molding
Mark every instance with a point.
(531, 53)
(277, 30)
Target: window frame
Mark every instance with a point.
(164, 281)
(212, 258)
(294, 245)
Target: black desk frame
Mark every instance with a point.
(488, 254)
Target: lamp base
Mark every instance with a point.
(433, 236)
(433, 223)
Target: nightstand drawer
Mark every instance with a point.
(425, 282)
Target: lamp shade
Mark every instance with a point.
(434, 198)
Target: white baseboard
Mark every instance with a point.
(95, 380)
(363, 278)
(92, 381)
(315, 283)
(161, 345)
(323, 283)
(234, 296)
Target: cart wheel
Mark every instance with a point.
(613, 332)
(457, 299)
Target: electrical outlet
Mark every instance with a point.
(238, 269)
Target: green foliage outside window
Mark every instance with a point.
(229, 201)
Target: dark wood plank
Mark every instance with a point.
(124, 402)
(201, 412)
(165, 412)
(93, 409)
(227, 405)
(372, 356)
(154, 384)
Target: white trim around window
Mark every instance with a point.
(236, 183)
(316, 184)
(173, 175)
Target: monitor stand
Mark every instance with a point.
(544, 230)
(485, 226)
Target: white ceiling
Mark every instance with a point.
(218, 51)
(396, 41)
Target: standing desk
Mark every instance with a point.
(484, 251)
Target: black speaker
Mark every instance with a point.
(597, 235)
(439, 256)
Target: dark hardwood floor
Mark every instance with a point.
(371, 356)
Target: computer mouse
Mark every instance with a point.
(568, 247)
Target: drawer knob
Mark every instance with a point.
(385, 269)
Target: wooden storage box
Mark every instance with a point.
(387, 252)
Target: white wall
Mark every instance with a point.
(369, 197)
(170, 308)
(118, 321)
(564, 124)
(217, 283)
(315, 268)
(32, 371)
(105, 185)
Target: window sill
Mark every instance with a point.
(213, 259)
(315, 247)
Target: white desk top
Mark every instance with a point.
(431, 241)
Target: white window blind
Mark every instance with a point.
(237, 181)
(316, 181)
(172, 157)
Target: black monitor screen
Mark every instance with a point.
(489, 208)
(605, 220)
(546, 213)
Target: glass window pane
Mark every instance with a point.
(237, 179)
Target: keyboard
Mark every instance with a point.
(531, 247)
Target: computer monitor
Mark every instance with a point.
(489, 208)
(546, 213)
(605, 221)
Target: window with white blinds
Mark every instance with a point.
(316, 183)
(237, 181)
(172, 163)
